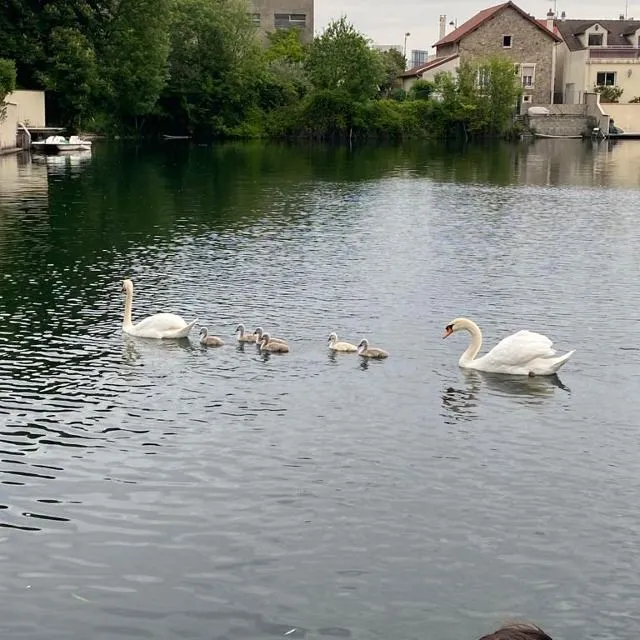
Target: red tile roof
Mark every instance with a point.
(543, 23)
(481, 17)
(427, 66)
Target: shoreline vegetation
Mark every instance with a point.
(198, 68)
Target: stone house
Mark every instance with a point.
(503, 29)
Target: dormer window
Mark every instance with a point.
(506, 42)
(595, 39)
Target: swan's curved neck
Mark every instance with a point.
(128, 302)
(332, 341)
(476, 342)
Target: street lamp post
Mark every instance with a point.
(406, 35)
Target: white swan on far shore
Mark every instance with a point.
(523, 353)
(158, 326)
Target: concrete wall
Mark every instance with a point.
(561, 125)
(562, 59)
(30, 107)
(529, 45)
(574, 77)
(625, 116)
(268, 8)
(8, 128)
(595, 111)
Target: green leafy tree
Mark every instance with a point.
(481, 99)
(341, 59)
(284, 79)
(73, 73)
(393, 64)
(135, 57)
(213, 65)
(421, 90)
(286, 44)
(500, 93)
(22, 38)
(329, 114)
(7, 84)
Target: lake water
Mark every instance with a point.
(162, 490)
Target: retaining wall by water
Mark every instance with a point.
(562, 124)
(570, 119)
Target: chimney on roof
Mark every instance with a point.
(550, 16)
(443, 26)
(621, 16)
(563, 15)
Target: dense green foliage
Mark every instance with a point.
(7, 83)
(199, 67)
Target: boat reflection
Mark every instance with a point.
(72, 162)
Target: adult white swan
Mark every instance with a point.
(524, 353)
(160, 325)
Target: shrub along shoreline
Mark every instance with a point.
(197, 67)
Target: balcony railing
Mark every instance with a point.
(620, 52)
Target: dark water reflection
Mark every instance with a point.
(157, 490)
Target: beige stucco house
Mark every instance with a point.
(22, 106)
(8, 127)
(598, 52)
(504, 29)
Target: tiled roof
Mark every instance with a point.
(428, 66)
(543, 23)
(616, 31)
(480, 18)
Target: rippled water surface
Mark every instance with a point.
(163, 490)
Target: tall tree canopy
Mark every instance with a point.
(342, 59)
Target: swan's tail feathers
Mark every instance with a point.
(558, 362)
(184, 333)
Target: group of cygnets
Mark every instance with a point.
(170, 325)
(269, 344)
(522, 353)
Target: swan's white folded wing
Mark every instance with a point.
(520, 348)
(161, 322)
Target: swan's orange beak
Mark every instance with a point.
(447, 332)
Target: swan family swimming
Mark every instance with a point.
(522, 353)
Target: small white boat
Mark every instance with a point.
(57, 144)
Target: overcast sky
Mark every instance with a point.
(386, 22)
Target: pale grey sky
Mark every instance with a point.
(386, 22)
